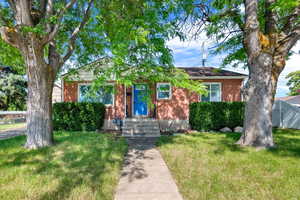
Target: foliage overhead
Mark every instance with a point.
(132, 33)
(224, 22)
(294, 83)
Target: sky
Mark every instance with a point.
(189, 54)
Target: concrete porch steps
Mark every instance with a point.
(140, 127)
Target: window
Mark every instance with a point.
(164, 90)
(104, 95)
(214, 92)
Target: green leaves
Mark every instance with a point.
(294, 83)
(10, 56)
(133, 33)
(12, 91)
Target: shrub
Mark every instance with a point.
(74, 116)
(216, 115)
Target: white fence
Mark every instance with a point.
(12, 112)
(285, 115)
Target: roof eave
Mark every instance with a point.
(219, 77)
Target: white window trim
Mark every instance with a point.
(107, 105)
(157, 91)
(210, 83)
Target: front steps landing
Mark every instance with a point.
(140, 127)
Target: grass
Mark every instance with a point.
(80, 166)
(4, 127)
(210, 166)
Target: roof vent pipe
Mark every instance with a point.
(204, 54)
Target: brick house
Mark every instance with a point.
(169, 105)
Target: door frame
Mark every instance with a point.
(132, 101)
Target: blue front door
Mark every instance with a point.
(139, 100)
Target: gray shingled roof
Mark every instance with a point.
(209, 71)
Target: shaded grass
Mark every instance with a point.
(80, 166)
(210, 166)
(4, 127)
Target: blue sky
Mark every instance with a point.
(188, 54)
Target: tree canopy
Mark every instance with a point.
(223, 21)
(294, 83)
(133, 33)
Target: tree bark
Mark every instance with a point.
(260, 91)
(39, 103)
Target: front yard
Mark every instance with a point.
(210, 166)
(80, 166)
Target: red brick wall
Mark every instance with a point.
(175, 108)
(231, 88)
(178, 106)
(118, 110)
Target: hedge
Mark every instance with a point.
(74, 116)
(216, 115)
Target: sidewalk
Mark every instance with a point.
(145, 175)
(5, 134)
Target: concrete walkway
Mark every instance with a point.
(145, 175)
(5, 134)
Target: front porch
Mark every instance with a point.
(139, 110)
(140, 101)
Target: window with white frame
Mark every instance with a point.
(214, 92)
(164, 91)
(103, 95)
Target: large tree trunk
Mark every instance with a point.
(39, 104)
(260, 90)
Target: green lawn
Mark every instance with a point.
(210, 166)
(11, 126)
(80, 166)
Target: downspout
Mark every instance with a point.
(62, 90)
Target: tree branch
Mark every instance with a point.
(10, 36)
(226, 37)
(271, 17)
(291, 20)
(251, 32)
(43, 4)
(75, 33)
(290, 40)
(60, 15)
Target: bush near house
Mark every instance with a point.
(74, 116)
(216, 115)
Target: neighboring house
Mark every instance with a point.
(294, 100)
(285, 115)
(56, 94)
(170, 105)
